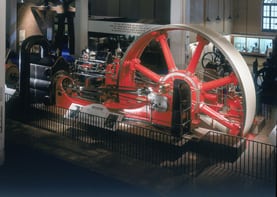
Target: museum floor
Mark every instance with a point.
(37, 165)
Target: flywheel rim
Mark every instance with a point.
(235, 59)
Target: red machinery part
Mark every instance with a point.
(226, 104)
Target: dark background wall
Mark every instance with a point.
(154, 10)
(245, 14)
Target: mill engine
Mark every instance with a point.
(220, 95)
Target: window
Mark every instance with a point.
(253, 45)
(269, 19)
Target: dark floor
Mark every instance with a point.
(31, 173)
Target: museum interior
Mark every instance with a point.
(138, 97)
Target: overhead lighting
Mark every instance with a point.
(207, 10)
(230, 10)
(218, 18)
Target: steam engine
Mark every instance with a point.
(131, 89)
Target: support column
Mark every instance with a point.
(81, 26)
(11, 26)
(179, 41)
(2, 79)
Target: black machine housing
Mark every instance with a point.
(38, 68)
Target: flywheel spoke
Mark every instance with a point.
(197, 54)
(231, 79)
(162, 39)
